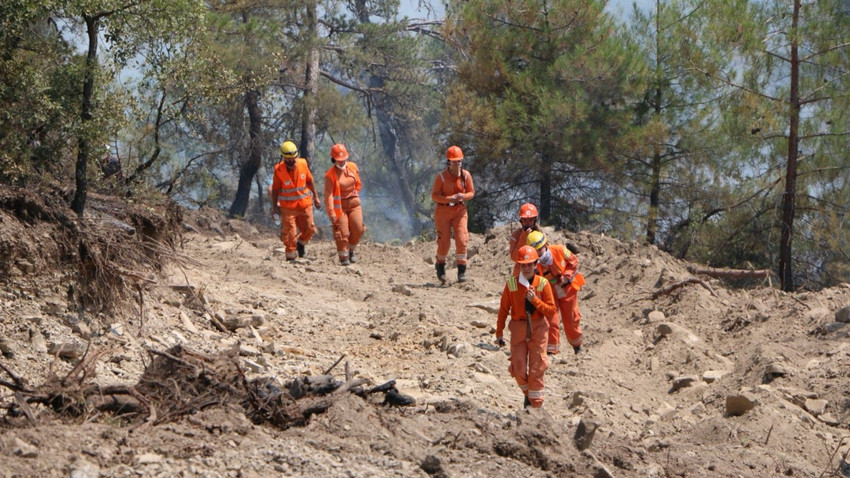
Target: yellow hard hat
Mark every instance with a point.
(536, 239)
(288, 149)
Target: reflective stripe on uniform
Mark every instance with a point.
(338, 205)
(460, 257)
(512, 284)
(542, 284)
(536, 394)
(292, 194)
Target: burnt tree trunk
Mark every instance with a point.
(255, 155)
(78, 204)
(307, 147)
(786, 270)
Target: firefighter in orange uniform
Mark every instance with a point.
(528, 223)
(560, 267)
(528, 299)
(342, 201)
(293, 195)
(452, 188)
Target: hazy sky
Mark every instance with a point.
(617, 7)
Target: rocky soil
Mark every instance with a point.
(705, 379)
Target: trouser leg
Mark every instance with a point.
(289, 231)
(459, 225)
(307, 228)
(571, 317)
(538, 361)
(442, 221)
(553, 342)
(519, 354)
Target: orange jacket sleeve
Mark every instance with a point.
(572, 263)
(470, 187)
(504, 310)
(328, 193)
(437, 190)
(517, 240)
(274, 192)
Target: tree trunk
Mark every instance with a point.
(307, 148)
(786, 272)
(78, 204)
(389, 141)
(255, 155)
(389, 138)
(261, 195)
(655, 179)
(545, 187)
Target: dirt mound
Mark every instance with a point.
(681, 375)
(44, 246)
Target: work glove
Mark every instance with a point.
(500, 341)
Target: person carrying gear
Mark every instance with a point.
(560, 267)
(452, 188)
(342, 202)
(291, 191)
(528, 299)
(528, 223)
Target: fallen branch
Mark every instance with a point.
(334, 365)
(678, 285)
(730, 273)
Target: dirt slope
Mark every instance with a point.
(658, 380)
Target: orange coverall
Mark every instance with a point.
(528, 351)
(342, 202)
(452, 216)
(564, 266)
(294, 192)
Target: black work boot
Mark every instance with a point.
(461, 272)
(300, 248)
(351, 256)
(441, 271)
(526, 403)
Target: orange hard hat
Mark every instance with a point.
(454, 153)
(338, 151)
(526, 255)
(527, 210)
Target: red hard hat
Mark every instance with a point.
(454, 153)
(527, 210)
(338, 151)
(526, 255)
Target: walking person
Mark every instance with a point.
(527, 298)
(452, 188)
(527, 223)
(342, 202)
(293, 196)
(560, 267)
